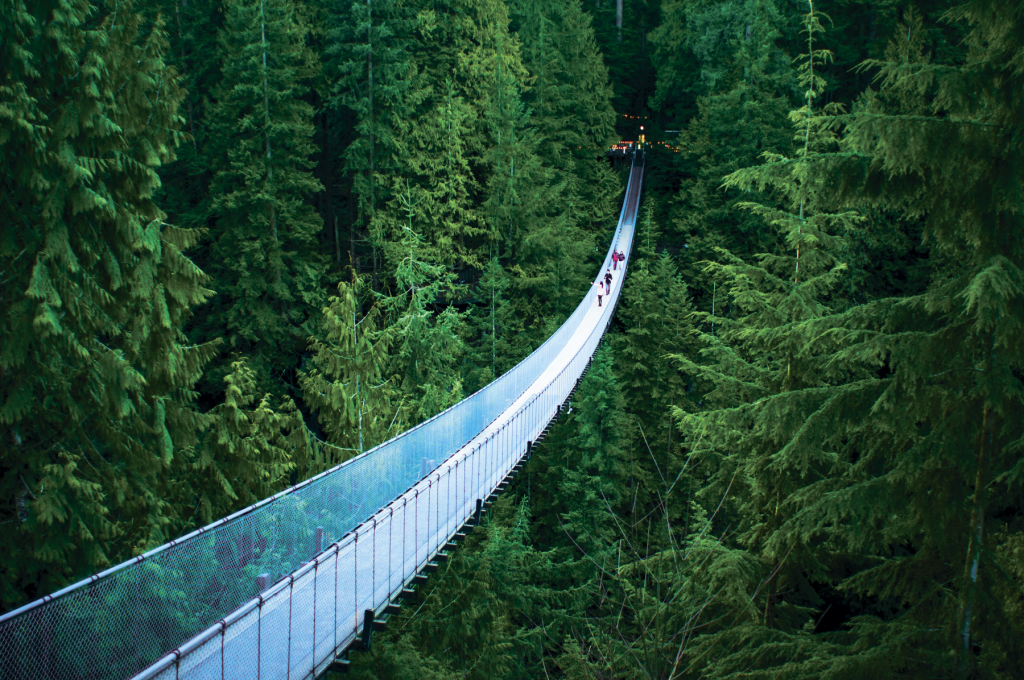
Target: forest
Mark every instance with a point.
(243, 241)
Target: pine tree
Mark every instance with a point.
(96, 374)
(570, 96)
(264, 256)
(890, 452)
(193, 29)
(439, 176)
(490, 613)
(762, 375)
(516, 190)
(942, 436)
(745, 89)
(602, 447)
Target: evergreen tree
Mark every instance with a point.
(264, 256)
(745, 89)
(570, 96)
(488, 614)
(370, 48)
(248, 452)
(96, 374)
(654, 312)
(426, 348)
(585, 476)
(345, 384)
(491, 328)
(762, 374)
(193, 29)
(885, 459)
(941, 439)
(439, 177)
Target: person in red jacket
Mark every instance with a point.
(615, 260)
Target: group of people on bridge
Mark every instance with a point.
(605, 287)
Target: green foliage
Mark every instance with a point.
(345, 383)
(423, 365)
(840, 493)
(439, 185)
(491, 330)
(744, 86)
(863, 437)
(246, 454)
(263, 254)
(96, 374)
(369, 49)
(655, 315)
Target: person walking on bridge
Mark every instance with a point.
(600, 290)
(615, 260)
(608, 281)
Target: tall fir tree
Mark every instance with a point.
(491, 328)
(654, 313)
(249, 451)
(370, 54)
(745, 88)
(884, 466)
(264, 254)
(941, 441)
(193, 30)
(438, 174)
(423, 365)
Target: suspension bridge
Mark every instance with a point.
(285, 588)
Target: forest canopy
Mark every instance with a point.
(246, 240)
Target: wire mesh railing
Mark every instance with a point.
(275, 590)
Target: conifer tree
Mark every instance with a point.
(745, 88)
(762, 377)
(370, 54)
(491, 329)
(345, 384)
(940, 442)
(439, 175)
(516, 189)
(264, 256)
(248, 452)
(490, 614)
(96, 375)
(602, 448)
(570, 96)
(193, 29)
(655, 314)
(425, 348)
(889, 484)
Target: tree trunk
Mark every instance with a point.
(977, 528)
(337, 243)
